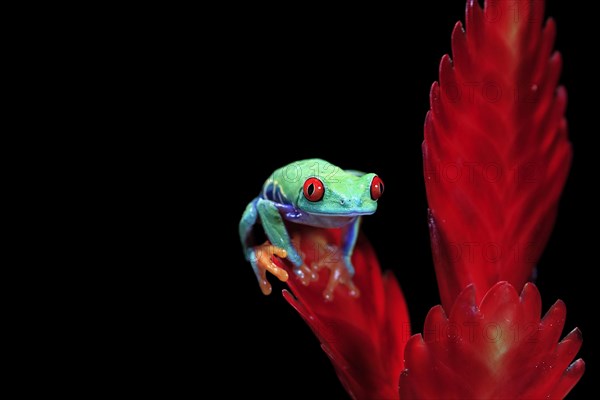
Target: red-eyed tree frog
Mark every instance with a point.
(310, 192)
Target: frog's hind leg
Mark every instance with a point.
(278, 236)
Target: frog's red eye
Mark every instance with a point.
(313, 189)
(376, 187)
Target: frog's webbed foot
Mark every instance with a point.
(305, 274)
(340, 273)
(260, 258)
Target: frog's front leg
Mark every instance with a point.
(349, 236)
(278, 236)
(260, 256)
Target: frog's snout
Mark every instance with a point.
(350, 203)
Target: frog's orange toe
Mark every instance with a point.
(306, 275)
(265, 286)
(262, 260)
(338, 274)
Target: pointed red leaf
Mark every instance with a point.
(496, 152)
(364, 337)
(499, 349)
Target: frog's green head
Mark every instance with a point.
(323, 189)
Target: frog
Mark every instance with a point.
(310, 192)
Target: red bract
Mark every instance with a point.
(496, 153)
(499, 349)
(364, 337)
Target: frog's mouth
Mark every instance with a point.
(330, 220)
(343, 214)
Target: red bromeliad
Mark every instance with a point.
(497, 121)
(497, 349)
(506, 134)
(364, 337)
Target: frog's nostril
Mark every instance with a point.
(342, 201)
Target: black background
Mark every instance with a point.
(296, 82)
